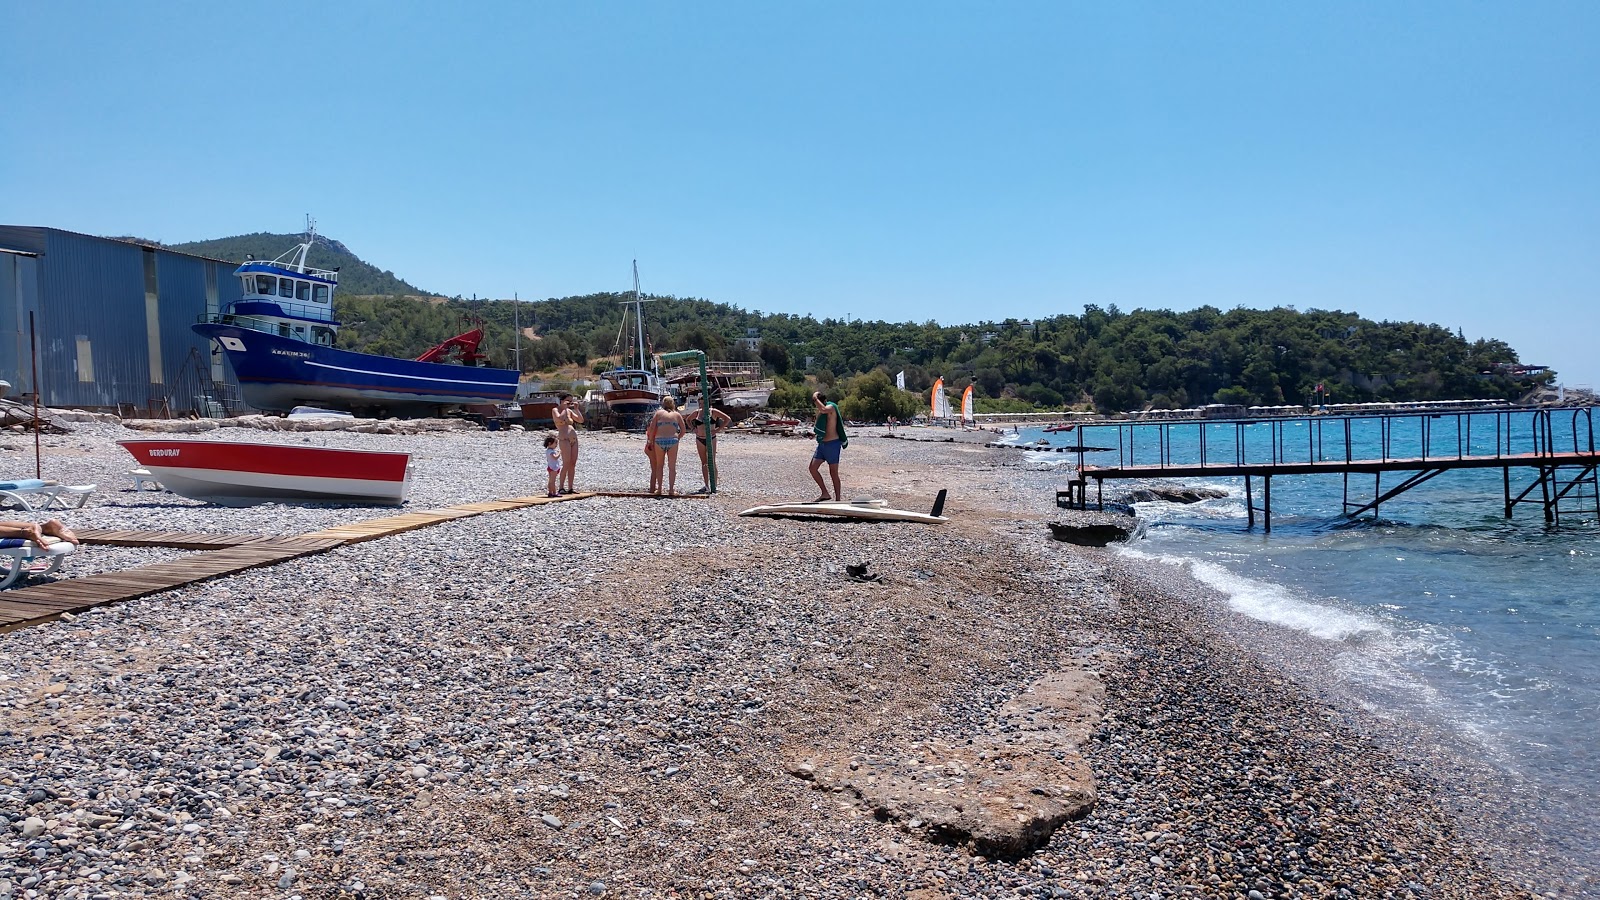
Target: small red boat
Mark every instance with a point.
(1053, 429)
(234, 472)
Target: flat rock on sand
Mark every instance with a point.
(1003, 793)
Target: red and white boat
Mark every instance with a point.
(231, 471)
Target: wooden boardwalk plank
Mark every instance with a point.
(219, 555)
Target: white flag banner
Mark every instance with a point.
(900, 380)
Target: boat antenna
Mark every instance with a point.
(305, 248)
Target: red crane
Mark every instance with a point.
(462, 348)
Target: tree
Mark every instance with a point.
(874, 398)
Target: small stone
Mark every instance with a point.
(597, 888)
(552, 821)
(419, 771)
(31, 827)
(287, 881)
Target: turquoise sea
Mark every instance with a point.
(1440, 615)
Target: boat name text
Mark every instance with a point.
(295, 353)
(172, 452)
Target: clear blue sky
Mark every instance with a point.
(956, 161)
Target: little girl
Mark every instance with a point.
(552, 464)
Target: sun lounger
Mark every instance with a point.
(33, 493)
(21, 559)
(142, 477)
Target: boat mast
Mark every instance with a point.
(516, 319)
(638, 313)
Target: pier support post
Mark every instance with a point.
(1544, 487)
(1507, 473)
(1266, 502)
(1249, 504)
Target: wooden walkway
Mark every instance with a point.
(225, 554)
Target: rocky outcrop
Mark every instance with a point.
(1178, 494)
(1093, 534)
(1002, 793)
(276, 423)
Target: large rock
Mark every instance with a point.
(1092, 534)
(259, 422)
(1177, 494)
(1004, 793)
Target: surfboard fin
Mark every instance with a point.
(938, 503)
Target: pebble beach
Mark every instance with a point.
(631, 697)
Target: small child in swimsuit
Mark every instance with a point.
(552, 464)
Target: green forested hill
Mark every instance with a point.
(1114, 360)
(356, 277)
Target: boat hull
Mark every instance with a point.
(277, 373)
(232, 472)
(632, 407)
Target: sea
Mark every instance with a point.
(1472, 633)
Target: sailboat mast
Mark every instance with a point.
(638, 313)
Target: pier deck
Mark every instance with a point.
(1556, 446)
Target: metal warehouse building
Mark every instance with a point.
(111, 320)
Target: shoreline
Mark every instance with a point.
(615, 695)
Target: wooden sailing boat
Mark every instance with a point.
(633, 394)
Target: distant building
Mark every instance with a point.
(111, 319)
(751, 340)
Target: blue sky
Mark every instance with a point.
(1437, 162)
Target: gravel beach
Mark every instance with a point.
(652, 698)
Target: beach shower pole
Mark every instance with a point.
(705, 410)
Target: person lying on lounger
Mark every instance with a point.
(33, 531)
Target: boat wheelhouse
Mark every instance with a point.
(288, 298)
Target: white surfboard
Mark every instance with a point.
(874, 510)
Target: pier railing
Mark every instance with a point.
(1556, 445)
(1426, 437)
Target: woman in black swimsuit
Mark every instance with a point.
(697, 427)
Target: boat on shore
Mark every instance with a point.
(633, 394)
(737, 388)
(279, 339)
(235, 472)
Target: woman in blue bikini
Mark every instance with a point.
(665, 427)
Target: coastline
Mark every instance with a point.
(619, 696)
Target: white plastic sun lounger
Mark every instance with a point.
(21, 559)
(33, 493)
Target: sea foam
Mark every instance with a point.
(1272, 603)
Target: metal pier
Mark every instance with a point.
(1555, 446)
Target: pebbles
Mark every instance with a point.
(598, 698)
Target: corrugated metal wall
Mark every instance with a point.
(113, 321)
(19, 292)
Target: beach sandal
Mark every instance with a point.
(823, 499)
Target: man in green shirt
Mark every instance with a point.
(831, 438)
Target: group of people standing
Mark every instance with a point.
(667, 426)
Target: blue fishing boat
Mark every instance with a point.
(279, 339)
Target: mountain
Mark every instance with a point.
(356, 276)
